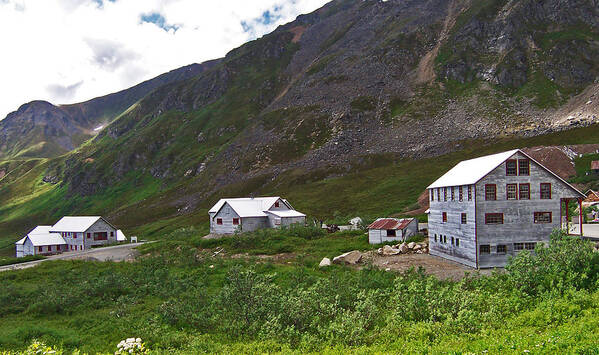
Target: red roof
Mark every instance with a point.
(389, 223)
(595, 165)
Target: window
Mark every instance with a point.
(524, 167)
(39, 249)
(501, 249)
(445, 194)
(219, 221)
(461, 194)
(511, 191)
(464, 219)
(511, 167)
(445, 239)
(524, 192)
(452, 193)
(435, 238)
(49, 248)
(444, 217)
(457, 242)
(546, 191)
(469, 193)
(74, 235)
(485, 249)
(432, 195)
(112, 234)
(89, 235)
(390, 232)
(493, 218)
(438, 194)
(452, 241)
(530, 246)
(518, 246)
(277, 204)
(100, 236)
(542, 217)
(490, 192)
(235, 221)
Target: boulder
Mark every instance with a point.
(411, 245)
(351, 257)
(417, 247)
(325, 262)
(380, 251)
(388, 250)
(403, 248)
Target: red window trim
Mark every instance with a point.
(528, 163)
(506, 164)
(74, 235)
(89, 235)
(506, 192)
(219, 221)
(495, 187)
(464, 218)
(487, 215)
(39, 249)
(541, 191)
(444, 217)
(519, 193)
(538, 213)
(235, 221)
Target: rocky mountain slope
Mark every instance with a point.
(41, 129)
(349, 88)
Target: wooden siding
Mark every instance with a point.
(518, 215)
(379, 236)
(227, 214)
(465, 253)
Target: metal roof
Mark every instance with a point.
(120, 236)
(41, 236)
(250, 206)
(74, 223)
(287, 213)
(390, 223)
(469, 172)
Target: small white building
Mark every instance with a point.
(391, 229)
(40, 241)
(232, 215)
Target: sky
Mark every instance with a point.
(67, 51)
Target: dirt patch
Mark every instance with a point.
(297, 31)
(441, 268)
(2, 174)
(277, 258)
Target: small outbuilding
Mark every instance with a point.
(391, 229)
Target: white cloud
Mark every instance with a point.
(66, 51)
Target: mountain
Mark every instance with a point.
(40, 129)
(350, 109)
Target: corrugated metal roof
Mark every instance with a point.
(469, 172)
(74, 223)
(258, 203)
(390, 223)
(595, 165)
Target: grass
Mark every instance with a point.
(11, 260)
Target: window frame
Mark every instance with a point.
(464, 218)
(494, 186)
(432, 195)
(520, 191)
(518, 246)
(219, 221)
(507, 169)
(277, 204)
(444, 217)
(469, 192)
(453, 193)
(445, 194)
(507, 192)
(535, 218)
(235, 221)
(528, 244)
(439, 194)
(484, 249)
(457, 242)
(527, 161)
(489, 215)
(541, 191)
(461, 193)
(504, 246)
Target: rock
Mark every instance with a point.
(325, 262)
(351, 257)
(388, 250)
(417, 247)
(380, 251)
(411, 245)
(418, 251)
(403, 248)
(388, 269)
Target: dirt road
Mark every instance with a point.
(122, 252)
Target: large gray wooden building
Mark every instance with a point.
(232, 215)
(485, 209)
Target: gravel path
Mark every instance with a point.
(122, 252)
